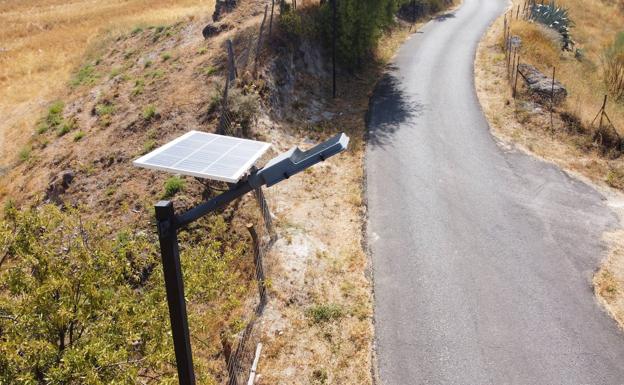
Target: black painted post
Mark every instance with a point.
(334, 33)
(168, 237)
(271, 22)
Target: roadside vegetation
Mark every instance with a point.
(584, 41)
(81, 288)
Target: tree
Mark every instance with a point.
(74, 305)
(80, 304)
(360, 24)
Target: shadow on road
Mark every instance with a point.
(387, 109)
(445, 17)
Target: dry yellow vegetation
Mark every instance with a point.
(569, 143)
(43, 41)
(596, 24)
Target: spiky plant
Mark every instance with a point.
(557, 18)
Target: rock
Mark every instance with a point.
(213, 29)
(542, 85)
(221, 7)
(516, 41)
(58, 186)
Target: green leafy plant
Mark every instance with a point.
(71, 311)
(80, 304)
(166, 56)
(173, 185)
(149, 112)
(86, 76)
(325, 313)
(555, 17)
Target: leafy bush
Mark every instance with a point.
(79, 306)
(556, 18)
(613, 67)
(71, 311)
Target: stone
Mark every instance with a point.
(214, 28)
(541, 85)
(58, 186)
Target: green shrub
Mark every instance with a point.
(615, 178)
(86, 76)
(139, 86)
(53, 119)
(325, 313)
(173, 185)
(81, 306)
(166, 56)
(67, 126)
(71, 311)
(79, 135)
(148, 146)
(103, 109)
(149, 112)
(24, 154)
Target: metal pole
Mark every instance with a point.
(334, 33)
(602, 111)
(516, 79)
(271, 22)
(552, 100)
(168, 237)
(232, 71)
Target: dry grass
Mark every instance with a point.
(570, 143)
(43, 41)
(596, 25)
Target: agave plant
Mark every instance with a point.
(556, 18)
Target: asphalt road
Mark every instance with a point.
(482, 256)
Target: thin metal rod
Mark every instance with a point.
(334, 37)
(174, 285)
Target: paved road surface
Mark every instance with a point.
(482, 256)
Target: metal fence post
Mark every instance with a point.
(232, 71)
(334, 33)
(271, 22)
(167, 235)
(552, 100)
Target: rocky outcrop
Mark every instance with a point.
(215, 28)
(541, 85)
(58, 186)
(222, 7)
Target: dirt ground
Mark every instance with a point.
(526, 125)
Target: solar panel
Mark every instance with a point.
(204, 155)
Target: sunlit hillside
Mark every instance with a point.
(42, 42)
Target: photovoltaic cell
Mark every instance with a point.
(205, 155)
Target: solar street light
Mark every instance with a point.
(220, 158)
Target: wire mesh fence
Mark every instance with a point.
(604, 134)
(243, 59)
